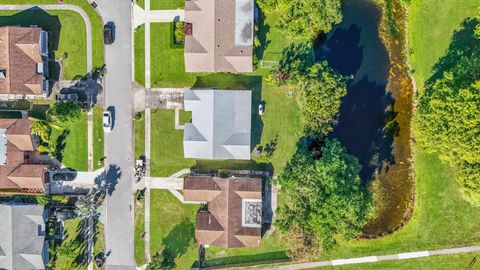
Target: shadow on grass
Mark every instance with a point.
(178, 240)
(245, 260)
(61, 144)
(263, 30)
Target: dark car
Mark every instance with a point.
(63, 175)
(109, 33)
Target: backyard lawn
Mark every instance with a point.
(72, 142)
(97, 137)
(431, 26)
(139, 45)
(167, 64)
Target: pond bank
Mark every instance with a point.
(393, 190)
(374, 118)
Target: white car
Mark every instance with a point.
(107, 121)
(261, 110)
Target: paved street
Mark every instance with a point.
(119, 143)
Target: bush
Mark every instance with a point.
(179, 32)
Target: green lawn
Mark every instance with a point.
(139, 230)
(167, 143)
(71, 233)
(167, 64)
(431, 26)
(441, 217)
(74, 139)
(172, 228)
(72, 42)
(139, 136)
(97, 137)
(167, 4)
(445, 262)
(139, 40)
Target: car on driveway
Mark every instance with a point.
(63, 175)
(109, 33)
(107, 121)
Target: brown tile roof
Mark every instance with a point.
(19, 54)
(222, 225)
(212, 47)
(17, 175)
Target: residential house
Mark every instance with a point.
(23, 62)
(221, 124)
(19, 173)
(234, 214)
(22, 237)
(219, 35)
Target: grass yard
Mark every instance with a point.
(431, 26)
(65, 40)
(167, 4)
(139, 230)
(167, 143)
(72, 42)
(139, 44)
(167, 64)
(73, 143)
(97, 137)
(172, 228)
(441, 218)
(71, 233)
(139, 136)
(444, 262)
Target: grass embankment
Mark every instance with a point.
(97, 137)
(445, 262)
(139, 46)
(69, 33)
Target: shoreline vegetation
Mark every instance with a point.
(397, 177)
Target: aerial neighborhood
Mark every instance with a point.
(239, 134)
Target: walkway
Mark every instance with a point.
(369, 259)
(141, 16)
(77, 9)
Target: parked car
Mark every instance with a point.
(107, 121)
(65, 215)
(63, 175)
(109, 33)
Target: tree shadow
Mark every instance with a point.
(179, 239)
(463, 46)
(60, 144)
(113, 174)
(261, 34)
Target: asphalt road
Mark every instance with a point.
(119, 142)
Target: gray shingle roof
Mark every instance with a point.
(22, 235)
(221, 124)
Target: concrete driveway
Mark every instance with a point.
(82, 184)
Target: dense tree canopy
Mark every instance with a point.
(64, 112)
(324, 196)
(448, 119)
(305, 18)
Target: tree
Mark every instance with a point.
(319, 99)
(324, 196)
(447, 120)
(42, 129)
(308, 18)
(161, 261)
(64, 112)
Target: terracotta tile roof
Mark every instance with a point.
(222, 225)
(222, 36)
(17, 175)
(19, 55)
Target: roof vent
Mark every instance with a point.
(39, 68)
(3, 73)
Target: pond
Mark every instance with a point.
(367, 123)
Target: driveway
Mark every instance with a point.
(119, 142)
(82, 184)
(141, 16)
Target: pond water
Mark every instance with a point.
(367, 124)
